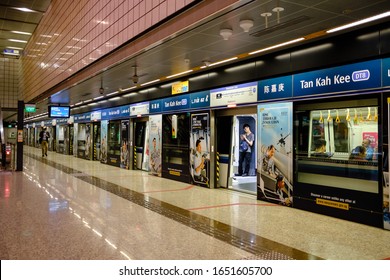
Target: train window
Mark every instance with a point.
(346, 133)
(338, 147)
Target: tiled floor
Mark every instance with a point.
(62, 207)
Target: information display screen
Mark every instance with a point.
(59, 111)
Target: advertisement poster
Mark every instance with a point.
(103, 149)
(75, 133)
(155, 122)
(200, 149)
(274, 172)
(125, 161)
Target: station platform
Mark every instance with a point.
(65, 208)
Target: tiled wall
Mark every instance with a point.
(9, 82)
(73, 34)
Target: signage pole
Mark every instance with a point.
(19, 144)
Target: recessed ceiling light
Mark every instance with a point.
(27, 10)
(21, 32)
(16, 48)
(359, 22)
(18, 41)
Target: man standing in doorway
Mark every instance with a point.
(246, 146)
(44, 136)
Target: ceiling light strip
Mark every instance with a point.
(277, 46)
(151, 82)
(130, 88)
(359, 22)
(223, 61)
(17, 41)
(112, 93)
(21, 32)
(178, 74)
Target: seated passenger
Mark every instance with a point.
(369, 150)
(358, 153)
(320, 149)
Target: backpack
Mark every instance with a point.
(244, 146)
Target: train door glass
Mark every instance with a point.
(71, 139)
(88, 141)
(139, 140)
(96, 141)
(242, 171)
(66, 140)
(114, 143)
(337, 158)
(386, 166)
(223, 128)
(145, 156)
(125, 145)
(61, 139)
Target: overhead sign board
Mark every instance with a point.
(180, 87)
(238, 94)
(30, 108)
(274, 88)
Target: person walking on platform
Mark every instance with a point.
(44, 136)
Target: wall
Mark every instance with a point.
(74, 34)
(9, 81)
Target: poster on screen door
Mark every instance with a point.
(155, 144)
(274, 167)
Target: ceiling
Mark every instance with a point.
(189, 49)
(24, 23)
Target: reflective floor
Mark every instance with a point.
(62, 207)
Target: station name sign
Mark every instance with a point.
(357, 76)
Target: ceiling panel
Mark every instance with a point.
(203, 42)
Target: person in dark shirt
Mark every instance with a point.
(44, 136)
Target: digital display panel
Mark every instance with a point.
(59, 111)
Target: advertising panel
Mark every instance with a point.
(103, 147)
(200, 149)
(275, 164)
(155, 145)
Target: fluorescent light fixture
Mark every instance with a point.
(79, 103)
(27, 10)
(15, 48)
(112, 93)
(114, 98)
(130, 88)
(99, 97)
(21, 32)
(223, 61)
(278, 45)
(92, 104)
(88, 100)
(178, 74)
(18, 41)
(359, 22)
(151, 82)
